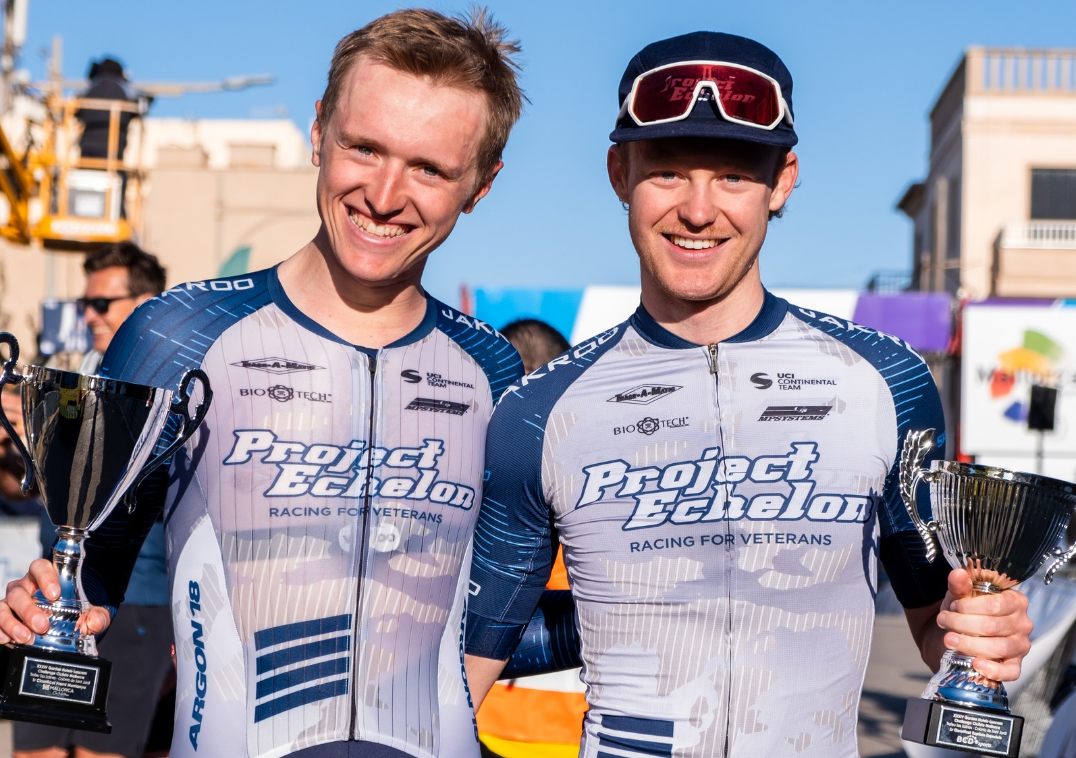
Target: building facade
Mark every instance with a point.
(213, 187)
(996, 214)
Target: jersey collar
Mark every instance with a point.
(768, 319)
(282, 301)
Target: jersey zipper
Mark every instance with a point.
(362, 545)
(715, 370)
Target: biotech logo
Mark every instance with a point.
(761, 381)
(432, 405)
(277, 365)
(644, 394)
(795, 413)
(706, 490)
(434, 380)
(650, 425)
(332, 471)
(282, 394)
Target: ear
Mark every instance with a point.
(617, 167)
(143, 298)
(483, 189)
(315, 135)
(786, 182)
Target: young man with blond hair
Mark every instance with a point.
(319, 523)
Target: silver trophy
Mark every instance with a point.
(91, 443)
(1001, 526)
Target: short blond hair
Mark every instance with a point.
(467, 52)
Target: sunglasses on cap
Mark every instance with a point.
(99, 304)
(669, 93)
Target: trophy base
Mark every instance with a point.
(973, 730)
(54, 688)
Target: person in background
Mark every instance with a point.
(119, 277)
(536, 342)
(108, 81)
(535, 716)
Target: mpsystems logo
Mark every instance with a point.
(432, 405)
(644, 394)
(795, 413)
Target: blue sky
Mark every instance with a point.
(866, 74)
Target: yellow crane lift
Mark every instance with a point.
(65, 201)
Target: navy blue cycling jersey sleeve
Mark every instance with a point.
(155, 346)
(515, 543)
(550, 642)
(916, 581)
(498, 359)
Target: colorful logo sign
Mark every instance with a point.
(1034, 362)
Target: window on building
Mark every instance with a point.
(1053, 193)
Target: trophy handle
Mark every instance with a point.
(916, 446)
(1061, 557)
(180, 408)
(8, 375)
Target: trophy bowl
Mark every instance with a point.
(91, 442)
(1001, 527)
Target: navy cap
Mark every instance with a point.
(705, 120)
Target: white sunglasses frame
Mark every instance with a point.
(629, 101)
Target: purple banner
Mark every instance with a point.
(922, 319)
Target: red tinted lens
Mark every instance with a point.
(745, 95)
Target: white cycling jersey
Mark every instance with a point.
(318, 524)
(721, 509)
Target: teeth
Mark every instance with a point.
(690, 244)
(378, 230)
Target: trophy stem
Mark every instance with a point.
(957, 681)
(64, 633)
(986, 588)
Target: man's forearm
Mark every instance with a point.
(482, 673)
(928, 636)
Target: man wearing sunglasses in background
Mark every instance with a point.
(119, 278)
(722, 467)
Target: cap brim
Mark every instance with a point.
(712, 128)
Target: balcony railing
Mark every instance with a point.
(1019, 70)
(1039, 235)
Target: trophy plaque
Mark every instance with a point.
(91, 440)
(1000, 526)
